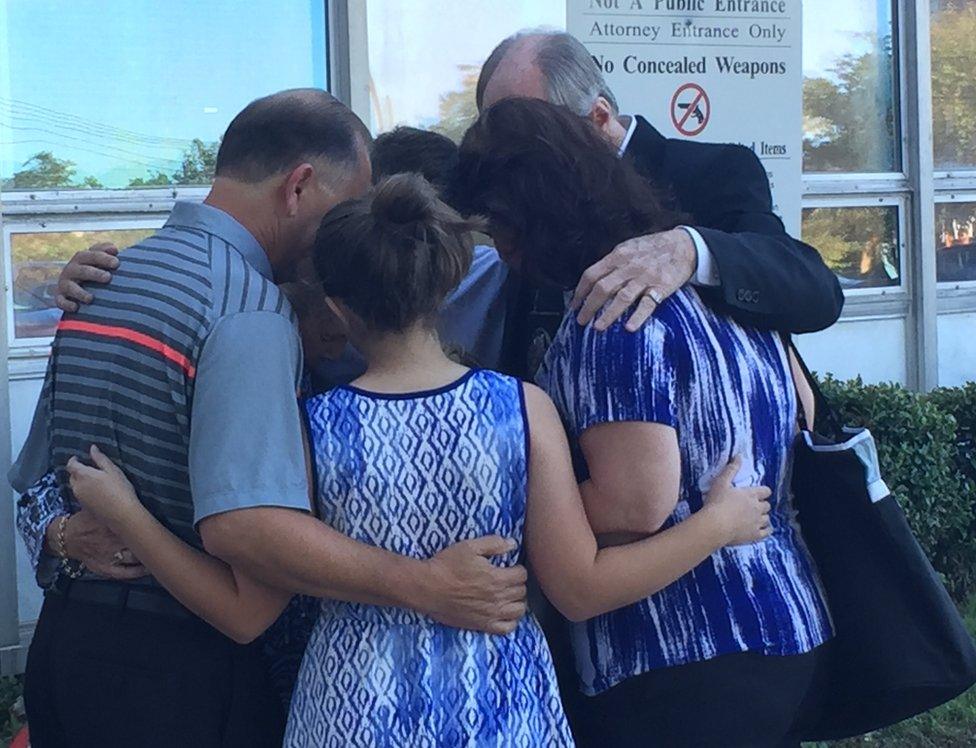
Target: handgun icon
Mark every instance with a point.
(697, 113)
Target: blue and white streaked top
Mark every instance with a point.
(414, 474)
(726, 390)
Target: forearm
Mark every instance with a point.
(202, 583)
(295, 552)
(614, 577)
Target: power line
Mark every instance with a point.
(160, 161)
(100, 126)
(95, 134)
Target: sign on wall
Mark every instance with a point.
(708, 70)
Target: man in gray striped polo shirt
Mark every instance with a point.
(184, 370)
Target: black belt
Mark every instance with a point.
(121, 596)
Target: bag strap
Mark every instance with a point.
(823, 407)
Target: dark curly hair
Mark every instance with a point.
(547, 178)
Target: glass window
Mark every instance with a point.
(954, 83)
(861, 244)
(955, 241)
(129, 93)
(850, 102)
(424, 57)
(37, 261)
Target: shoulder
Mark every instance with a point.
(322, 402)
(539, 407)
(493, 384)
(238, 287)
(252, 344)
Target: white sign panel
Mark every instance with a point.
(708, 70)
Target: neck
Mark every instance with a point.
(251, 208)
(617, 130)
(406, 361)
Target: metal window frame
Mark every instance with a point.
(349, 55)
(64, 224)
(956, 296)
(902, 289)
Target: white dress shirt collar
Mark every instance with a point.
(630, 133)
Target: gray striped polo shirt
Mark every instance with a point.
(184, 371)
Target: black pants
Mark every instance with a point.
(103, 677)
(741, 700)
(735, 701)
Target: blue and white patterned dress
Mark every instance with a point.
(727, 390)
(415, 474)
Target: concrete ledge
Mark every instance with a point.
(13, 659)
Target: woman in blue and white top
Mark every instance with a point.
(726, 655)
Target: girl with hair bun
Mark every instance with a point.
(421, 452)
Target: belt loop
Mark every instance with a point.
(124, 596)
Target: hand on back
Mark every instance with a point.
(469, 592)
(103, 489)
(644, 271)
(89, 540)
(92, 265)
(742, 514)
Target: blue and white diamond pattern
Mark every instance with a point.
(414, 475)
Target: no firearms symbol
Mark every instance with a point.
(690, 109)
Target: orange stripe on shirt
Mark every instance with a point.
(123, 333)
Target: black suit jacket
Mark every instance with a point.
(768, 279)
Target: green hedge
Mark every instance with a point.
(927, 447)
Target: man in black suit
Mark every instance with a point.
(736, 251)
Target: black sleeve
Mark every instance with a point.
(768, 279)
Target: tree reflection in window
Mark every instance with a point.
(954, 83)
(850, 121)
(861, 245)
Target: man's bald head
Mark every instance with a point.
(543, 64)
(274, 134)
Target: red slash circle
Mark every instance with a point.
(690, 109)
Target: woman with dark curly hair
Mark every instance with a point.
(726, 655)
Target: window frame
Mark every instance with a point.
(822, 180)
(959, 292)
(41, 225)
(902, 290)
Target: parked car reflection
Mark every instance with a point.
(34, 291)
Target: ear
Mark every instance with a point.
(602, 114)
(298, 181)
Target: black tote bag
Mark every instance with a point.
(900, 645)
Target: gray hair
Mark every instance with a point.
(572, 76)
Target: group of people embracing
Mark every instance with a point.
(310, 443)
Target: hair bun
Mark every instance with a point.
(404, 198)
